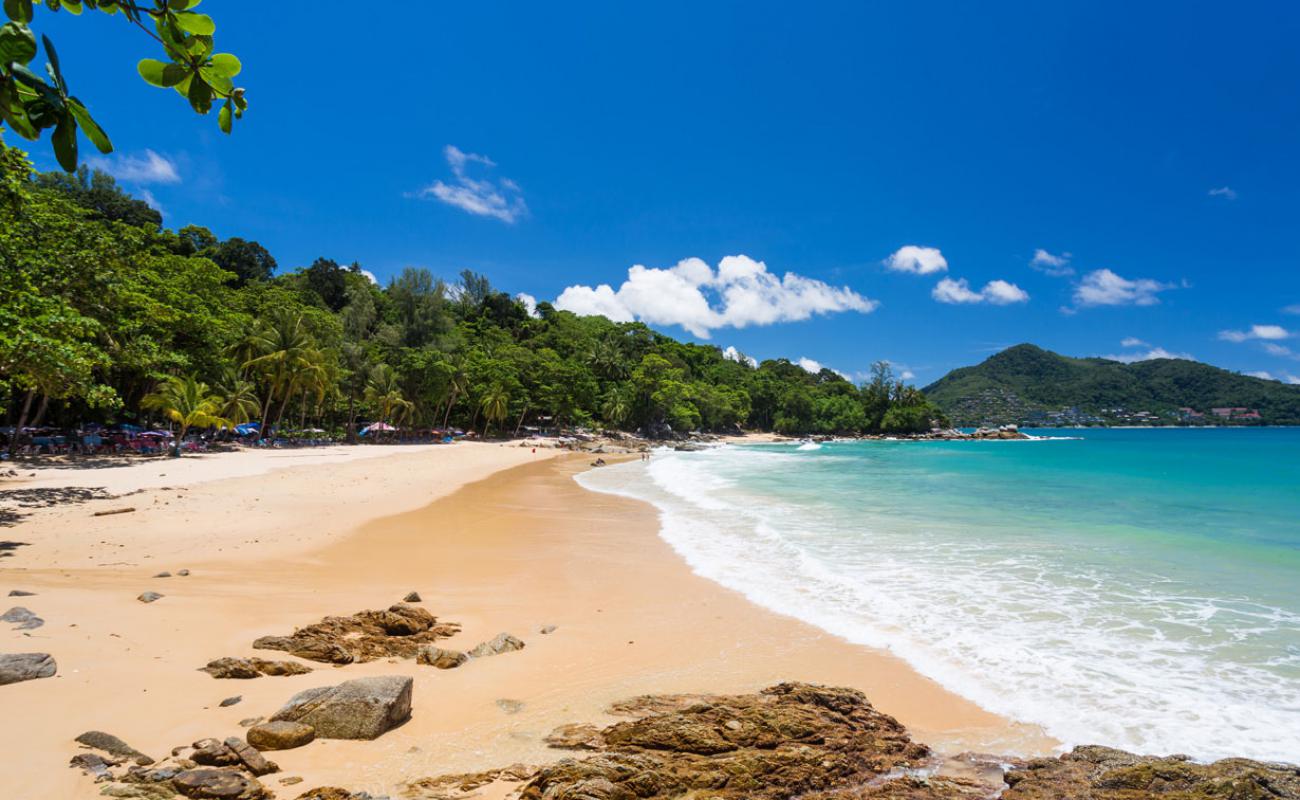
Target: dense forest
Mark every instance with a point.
(1017, 383)
(107, 316)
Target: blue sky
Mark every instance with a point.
(558, 146)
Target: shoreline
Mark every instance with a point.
(512, 544)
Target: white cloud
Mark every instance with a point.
(1292, 379)
(917, 260)
(1104, 288)
(530, 303)
(146, 168)
(1276, 349)
(485, 198)
(1149, 355)
(998, 293)
(813, 366)
(1226, 192)
(907, 375)
(732, 354)
(1292, 309)
(1133, 341)
(740, 293)
(1056, 266)
(1263, 374)
(151, 201)
(1269, 332)
(370, 276)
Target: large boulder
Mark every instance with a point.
(113, 746)
(16, 667)
(280, 735)
(363, 708)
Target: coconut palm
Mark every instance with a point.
(282, 346)
(238, 398)
(615, 407)
(188, 403)
(384, 394)
(495, 404)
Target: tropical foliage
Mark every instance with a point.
(101, 309)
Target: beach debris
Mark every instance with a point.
(230, 701)
(510, 706)
(182, 572)
(107, 742)
(163, 575)
(399, 631)
(440, 658)
(290, 781)
(547, 630)
(411, 597)
(18, 667)
(21, 593)
(149, 597)
(501, 643)
(24, 618)
(363, 708)
(247, 668)
(112, 511)
(281, 735)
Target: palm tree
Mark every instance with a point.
(615, 407)
(457, 384)
(238, 398)
(282, 346)
(384, 394)
(495, 404)
(188, 403)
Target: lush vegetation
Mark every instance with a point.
(1012, 385)
(30, 104)
(104, 316)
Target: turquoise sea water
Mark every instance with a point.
(1137, 588)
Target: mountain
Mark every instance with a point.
(1029, 385)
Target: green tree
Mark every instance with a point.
(188, 403)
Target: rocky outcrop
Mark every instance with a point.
(363, 708)
(18, 667)
(218, 784)
(790, 740)
(1100, 773)
(400, 631)
(440, 658)
(247, 668)
(454, 787)
(280, 735)
(501, 643)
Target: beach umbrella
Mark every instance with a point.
(381, 426)
(247, 428)
(157, 434)
(129, 428)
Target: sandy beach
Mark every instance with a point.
(496, 538)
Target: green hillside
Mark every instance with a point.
(1029, 385)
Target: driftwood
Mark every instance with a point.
(126, 510)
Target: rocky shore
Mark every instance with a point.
(792, 740)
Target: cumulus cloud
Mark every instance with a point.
(998, 293)
(1294, 308)
(739, 293)
(530, 303)
(1148, 355)
(1133, 341)
(1266, 332)
(149, 167)
(1226, 192)
(814, 366)
(1054, 265)
(1275, 349)
(1103, 287)
(732, 354)
(917, 260)
(483, 197)
(1263, 374)
(370, 276)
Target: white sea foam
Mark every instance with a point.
(1137, 664)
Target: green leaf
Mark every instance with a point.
(197, 24)
(219, 83)
(53, 66)
(226, 64)
(73, 6)
(161, 73)
(19, 10)
(88, 126)
(200, 95)
(223, 118)
(65, 142)
(17, 43)
(181, 5)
